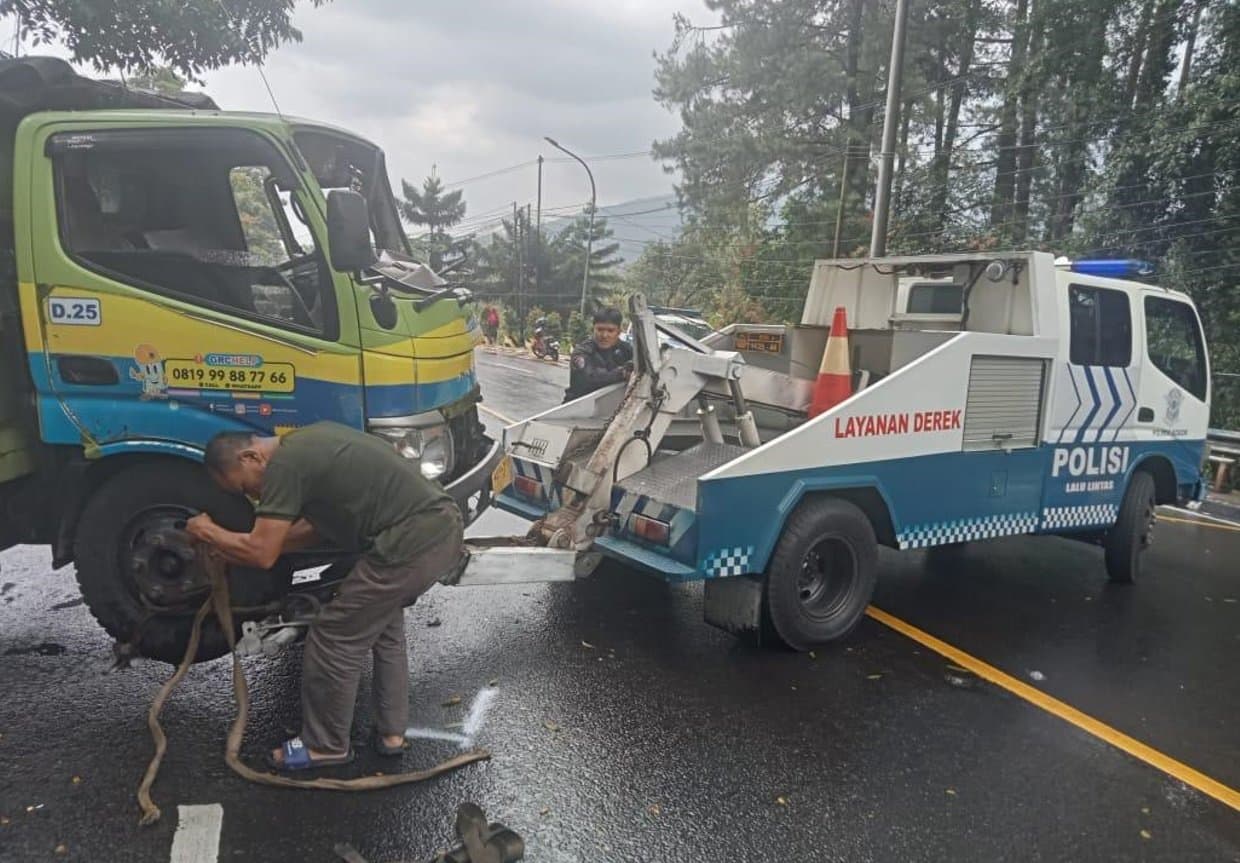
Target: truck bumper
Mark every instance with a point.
(472, 489)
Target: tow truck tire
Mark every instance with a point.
(822, 573)
(112, 522)
(1130, 535)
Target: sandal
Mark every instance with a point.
(383, 749)
(297, 757)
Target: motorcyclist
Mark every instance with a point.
(600, 360)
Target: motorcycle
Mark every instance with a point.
(545, 346)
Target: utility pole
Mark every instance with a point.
(516, 276)
(839, 210)
(529, 252)
(585, 277)
(891, 122)
(538, 237)
(539, 223)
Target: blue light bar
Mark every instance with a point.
(1121, 269)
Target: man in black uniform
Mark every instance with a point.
(601, 359)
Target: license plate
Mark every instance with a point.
(501, 477)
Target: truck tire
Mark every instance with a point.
(1130, 535)
(822, 573)
(130, 559)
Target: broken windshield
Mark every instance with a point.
(339, 161)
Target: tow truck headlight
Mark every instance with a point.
(430, 446)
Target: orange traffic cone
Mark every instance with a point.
(834, 382)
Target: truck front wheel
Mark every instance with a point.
(1130, 535)
(139, 573)
(822, 573)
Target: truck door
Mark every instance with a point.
(1174, 406)
(171, 296)
(1093, 417)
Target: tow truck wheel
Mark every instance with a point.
(822, 574)
(139, 572)
(1132, 530)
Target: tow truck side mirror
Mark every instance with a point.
(348, 231)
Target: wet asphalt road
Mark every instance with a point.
(623, 728)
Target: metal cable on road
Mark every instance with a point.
(219, 602)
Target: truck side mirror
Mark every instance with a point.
(348, 231)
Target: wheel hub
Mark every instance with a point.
(161, 560)
(827, 576)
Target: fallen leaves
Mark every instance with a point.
(551, 726)
(1145, 834)
(77, 780)
(654, 810)
(952, 792)
(61, 849)
(545, 810)
(781, 800)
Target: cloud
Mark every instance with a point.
(472, 86)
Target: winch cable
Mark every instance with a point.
(220, 603)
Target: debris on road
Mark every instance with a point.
(453, 701)
(1037, 675)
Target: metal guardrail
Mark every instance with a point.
(1224, 437)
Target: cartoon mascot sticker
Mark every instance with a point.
(150, 372)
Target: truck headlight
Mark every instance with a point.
(430, 446)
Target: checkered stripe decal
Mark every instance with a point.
(729, 561)
(967, 529)
(544, 475)
(1089, 515)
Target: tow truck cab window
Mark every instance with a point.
(1173, 341)
(1101, 327)
(936, 298)
(201, 215)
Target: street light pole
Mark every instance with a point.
(585, 277)
(895, 74)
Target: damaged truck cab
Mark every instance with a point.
(172, 271)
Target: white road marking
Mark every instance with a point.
(469, 729)
(1198, 514)
(197, 839)
(499, 416)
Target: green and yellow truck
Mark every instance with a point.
(169, 270)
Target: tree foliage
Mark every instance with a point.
(524, 268)
(190, 37)
(1083, 127)
(436, 210)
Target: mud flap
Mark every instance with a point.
(734, 605)
(517, 565)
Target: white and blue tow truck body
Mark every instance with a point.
(996, 394)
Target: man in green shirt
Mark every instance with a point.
(353, 489)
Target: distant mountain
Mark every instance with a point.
(636, 224)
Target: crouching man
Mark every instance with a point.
(355, 490)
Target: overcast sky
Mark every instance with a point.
(472, 86)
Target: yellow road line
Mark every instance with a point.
(1066, 712)
(499, 416)
(1194, 521)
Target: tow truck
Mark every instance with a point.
(994, 394)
